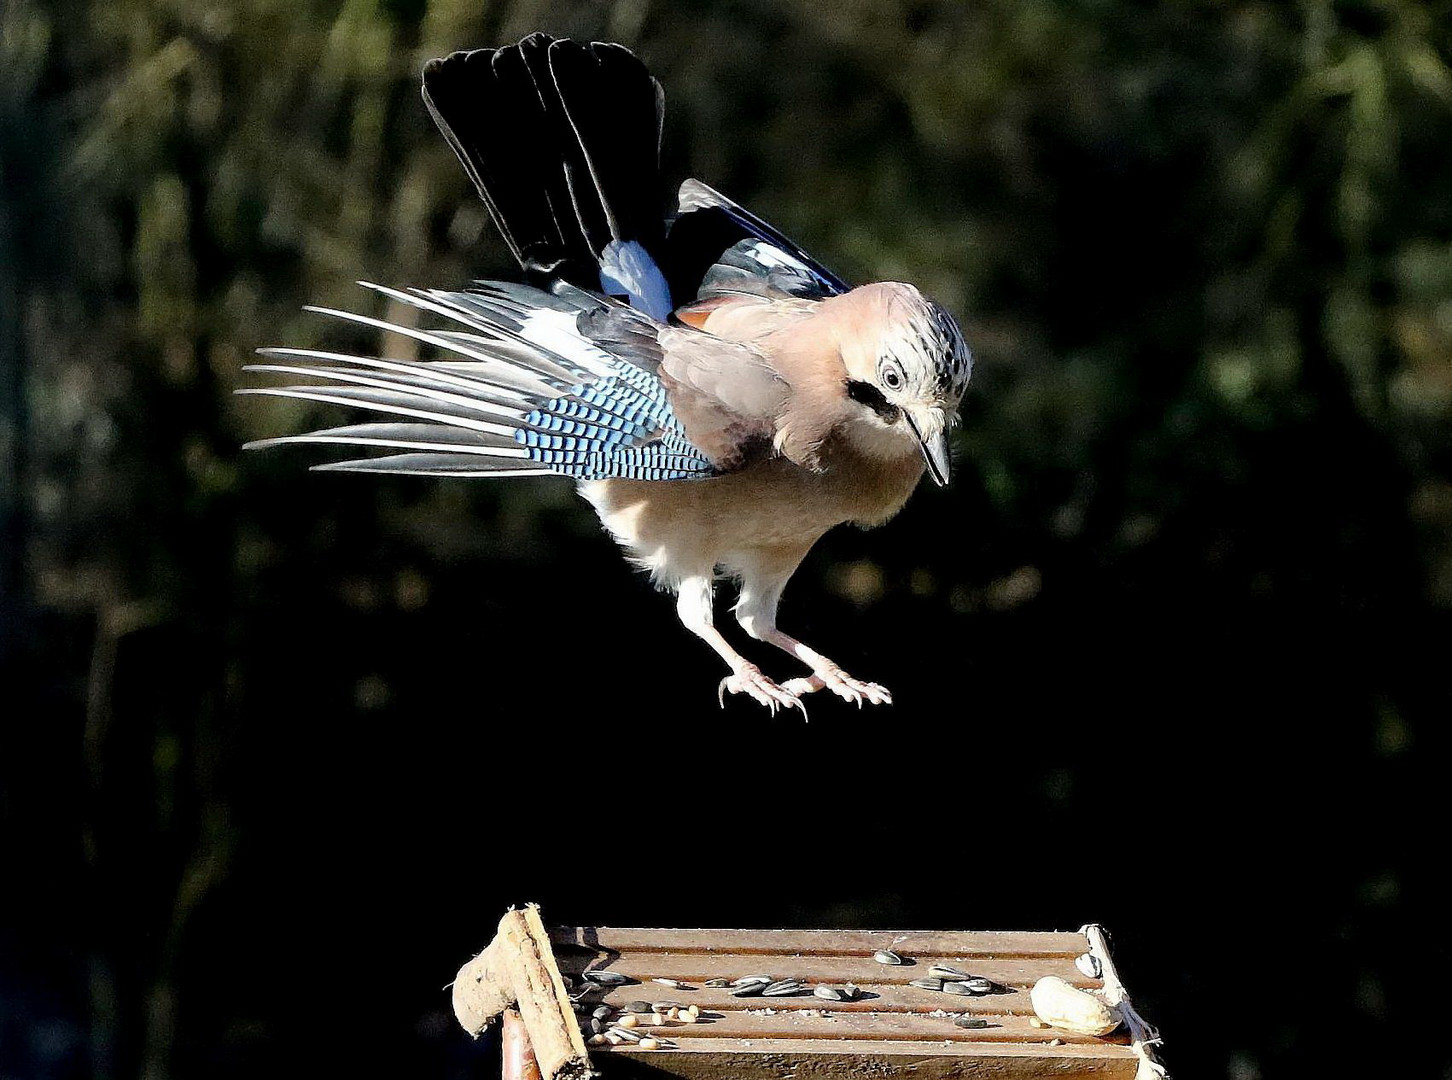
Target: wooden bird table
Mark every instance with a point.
(890, 1028)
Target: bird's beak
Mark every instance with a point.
(931, 428)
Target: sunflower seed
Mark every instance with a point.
(674, 984)
(638, 1007)
(607, 978)
(830, 993)
(714, 983)
(782, 988)
(970, 1022)
(927, 984)
(602, 1012)
(629, 1020)
(665, 1006)
(960, 988)
(626, 1034)
(597, 1026)
(980, 986)
(650, 1044)
(948, 974)
(763, 979)
(749, 989)
(853, 991)
(886, 956)
(1089, 964)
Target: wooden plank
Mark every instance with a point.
(889, 1031)
(808, 1059)
(814, 1024)
(954, 944)
(876, 997)
(698, 967)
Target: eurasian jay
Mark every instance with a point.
(720, 397)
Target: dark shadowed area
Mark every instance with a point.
(1171, 654)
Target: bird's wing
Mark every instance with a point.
(717, 248)
(531, 383)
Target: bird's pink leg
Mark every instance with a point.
(693, 605)
(756, 612)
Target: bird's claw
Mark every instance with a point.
(843, 685)
(750, 681)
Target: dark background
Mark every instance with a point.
(1171, 654)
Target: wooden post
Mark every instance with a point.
(518, 1062)
(516, 976)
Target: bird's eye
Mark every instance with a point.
(891, 377)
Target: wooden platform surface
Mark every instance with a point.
(890, 1030)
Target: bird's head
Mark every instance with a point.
(907, 368)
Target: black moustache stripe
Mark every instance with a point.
(864, 393)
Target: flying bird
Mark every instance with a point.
(721, 398)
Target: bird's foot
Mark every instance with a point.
(750, 681)
(841, 684)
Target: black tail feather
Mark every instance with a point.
(562, 140)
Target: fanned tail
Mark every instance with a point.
(529, 383)
(562, 140)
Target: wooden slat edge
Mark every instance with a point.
(965, 943)
(771, 1059)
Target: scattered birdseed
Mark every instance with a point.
(782, 988)
(607, 978)
(927, 984)
(673, 983)
(602, 1012)
(746, 979)
(971, 1022)
(948, 974)
(886, 956)
(830, 993)
(980, 986)
(716, 983)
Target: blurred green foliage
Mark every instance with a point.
(1203, 252)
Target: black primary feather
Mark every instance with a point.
(716, 247)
